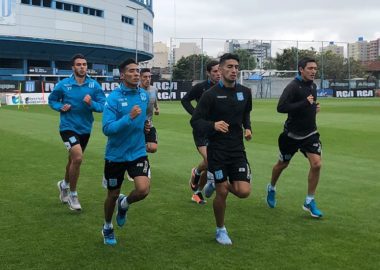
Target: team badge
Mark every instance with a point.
(240, 96)
(143, 96)
(219, 174)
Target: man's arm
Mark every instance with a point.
(112, 125)
(286, 104)
(247, 117)
(97, 103)
(201, 113)
(55, 98)
(194, 93)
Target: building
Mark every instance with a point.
(374, 50)
(43, 35)
(160, 55)
(339, 50)
(185, 49)
(261, 50)
(359, 50)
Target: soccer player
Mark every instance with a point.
(223, 115)
(298, 100)
(199, 174)
(151, 135)
(124, 124)
(76, 98)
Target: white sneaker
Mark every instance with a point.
(63, 192)
(74, 203)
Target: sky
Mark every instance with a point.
(220, 20)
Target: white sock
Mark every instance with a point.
(124, 203)
(107, 225)
(270, 187)
(65, 184)
(221, 228)
(309, 198)
(73, 193)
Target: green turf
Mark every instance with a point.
(166, 230)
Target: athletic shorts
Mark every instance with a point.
(288, 146)
(199, 140)
(228, 166)
(71, 138)
(114, 171)
(151, 136)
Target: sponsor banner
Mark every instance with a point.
(26, 99)
(325, 92)
(8, 86)
(353, 85)
(40, 70)
(167, 90)
(354, 93)
(7, 12)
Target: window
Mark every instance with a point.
(85, 10)
(67, 7)
(58, 5)
(46, 3)
(76, 8)
(127, 20)
(11, 63)
(148, 28)
(92, 12)
(27, 2)
(36, 2)
(99, 13)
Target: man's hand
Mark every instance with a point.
(310, 98)
(87, 100)
(248, 134)
(66, 107)
(136, 111)
(221, 126)
(157, 111)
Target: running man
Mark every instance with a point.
(300, 132)
(124, 124)
(198, 176)
(223, 115)
(76, 98)
(151, 136)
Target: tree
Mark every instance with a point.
(189, 68)
(247, 60)
(287, 60)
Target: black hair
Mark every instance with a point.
(303, 62)
(126, 63)
(211, 64)
(143, 70)
(75, 57)
(228, 56)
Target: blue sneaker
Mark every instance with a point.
(209, 189)
(222, 237)
(271, 197)
(312, 209)
(109, 237)
(121, 215)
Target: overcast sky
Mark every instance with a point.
(218, 20)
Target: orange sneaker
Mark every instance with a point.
(198, 198)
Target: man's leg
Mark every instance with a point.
(109, 207)
(240, 188)
(202, 167)
(219, 213)
(271, 188)
(142, 188)
(75, 158)
(313, 179)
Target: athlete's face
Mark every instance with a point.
(214, 74)
(131, 75)
(229, 70)
(80, 67)
(309, 71)
(145, 79)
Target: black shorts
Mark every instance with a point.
(199, 140)
(114, 171)
(151, 136)
(228, 166)
(71, 138)
(288, 146)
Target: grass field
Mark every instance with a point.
(167, 230)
